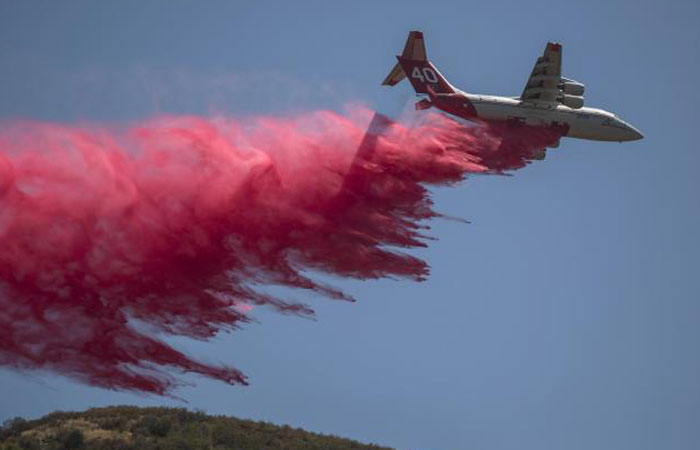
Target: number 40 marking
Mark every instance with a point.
(427, 74)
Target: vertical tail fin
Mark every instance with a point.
(414, 50)
(421, 72)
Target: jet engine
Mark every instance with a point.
(572, 101)
(571, 87)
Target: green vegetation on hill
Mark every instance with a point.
(133, 428)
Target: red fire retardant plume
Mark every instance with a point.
(110, 236)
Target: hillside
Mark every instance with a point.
(133, 428)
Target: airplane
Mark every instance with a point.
(548, 100)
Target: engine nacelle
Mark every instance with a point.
(572, 101)
(572, 88)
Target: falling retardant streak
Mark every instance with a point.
(112, 236)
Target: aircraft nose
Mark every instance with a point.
(637, 134)
(633, 134)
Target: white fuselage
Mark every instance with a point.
(583, 123)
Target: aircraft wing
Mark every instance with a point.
(543, 84)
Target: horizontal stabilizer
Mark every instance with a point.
(395, 76)
(423, 104)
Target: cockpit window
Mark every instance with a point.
(614, 122)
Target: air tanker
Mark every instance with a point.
(548, 100)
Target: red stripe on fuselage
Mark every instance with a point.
(457, 104)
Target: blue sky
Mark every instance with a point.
(565, 316)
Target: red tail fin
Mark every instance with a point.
(421, 72)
